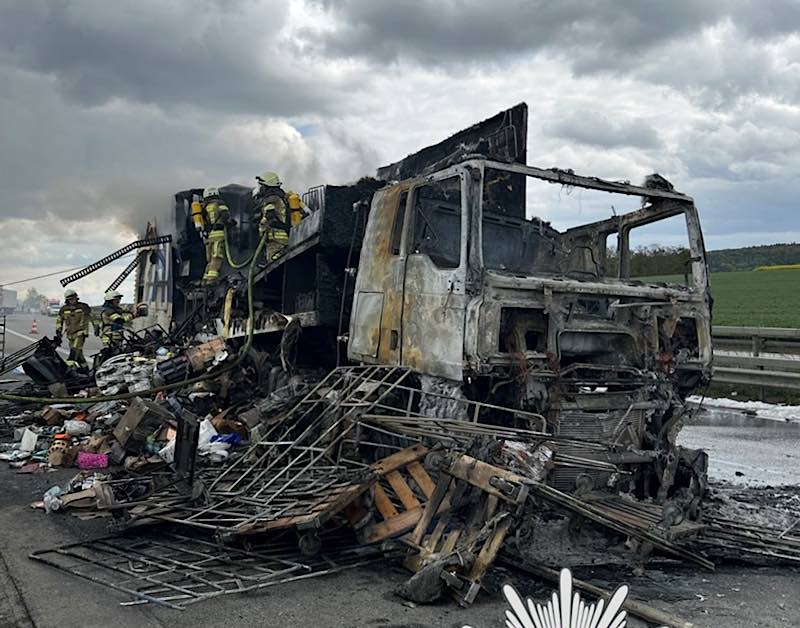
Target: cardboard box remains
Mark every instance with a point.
(142, 419)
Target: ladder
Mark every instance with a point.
(3, 340)
(124, 274)
(166, 239)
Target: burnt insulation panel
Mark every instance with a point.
(503, 137)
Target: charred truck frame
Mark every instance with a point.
(435, 266)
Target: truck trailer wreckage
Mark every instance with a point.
(427, 372)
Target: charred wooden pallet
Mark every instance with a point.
(464, 524)
(399, 497)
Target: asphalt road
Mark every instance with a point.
(764, 455)
(18, 334)
(32, 594)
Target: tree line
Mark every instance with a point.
(652, 261)
(656, 259)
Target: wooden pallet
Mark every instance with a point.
(399, 497)
(468, 515)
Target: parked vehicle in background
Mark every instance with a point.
(8, 301)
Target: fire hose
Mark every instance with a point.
(232, 263)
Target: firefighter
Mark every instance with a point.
(216, 217)
(74, 317)
(113, 319)
(271, 203)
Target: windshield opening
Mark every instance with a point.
(531, 226)
(658, 253)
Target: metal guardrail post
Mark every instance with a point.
(757, 343)
(3, 342)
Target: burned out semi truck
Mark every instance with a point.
(438, 265)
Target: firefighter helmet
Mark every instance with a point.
(210, 193)
(270, 179)
(112, 294)
(70, 293)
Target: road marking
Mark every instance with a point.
(24, 337)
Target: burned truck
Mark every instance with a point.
(438, 265)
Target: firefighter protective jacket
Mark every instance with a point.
(74, 319)
(113, 319)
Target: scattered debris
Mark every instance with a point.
(344, 474)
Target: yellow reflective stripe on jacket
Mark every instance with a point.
(216, 211)
(113, 322)
(74, 319)
(278, 234)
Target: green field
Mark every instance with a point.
(756, 298)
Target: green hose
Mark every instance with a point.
(245, 349)
(230, 259)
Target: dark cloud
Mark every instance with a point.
(474, 30)
(124, 160)
(668, 43)
(593, 128)
(198, 54)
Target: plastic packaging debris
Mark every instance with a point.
(234, 440)
(167, 452)
(28, 442)
(52, 499)
(206, 432)
(77, 428)
(14, 455)
(88, 460)
(220, 357)
(216, 451)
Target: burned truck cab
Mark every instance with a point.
(458, 283)
(462, 285)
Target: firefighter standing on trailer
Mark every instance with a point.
(114, 318)
(74, 317)
(216, 217)
(272, 203)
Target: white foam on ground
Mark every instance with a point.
(758, 408)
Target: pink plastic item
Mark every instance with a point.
(88, 460)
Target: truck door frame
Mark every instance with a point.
(434, 297)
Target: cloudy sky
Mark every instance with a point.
(107, 108)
